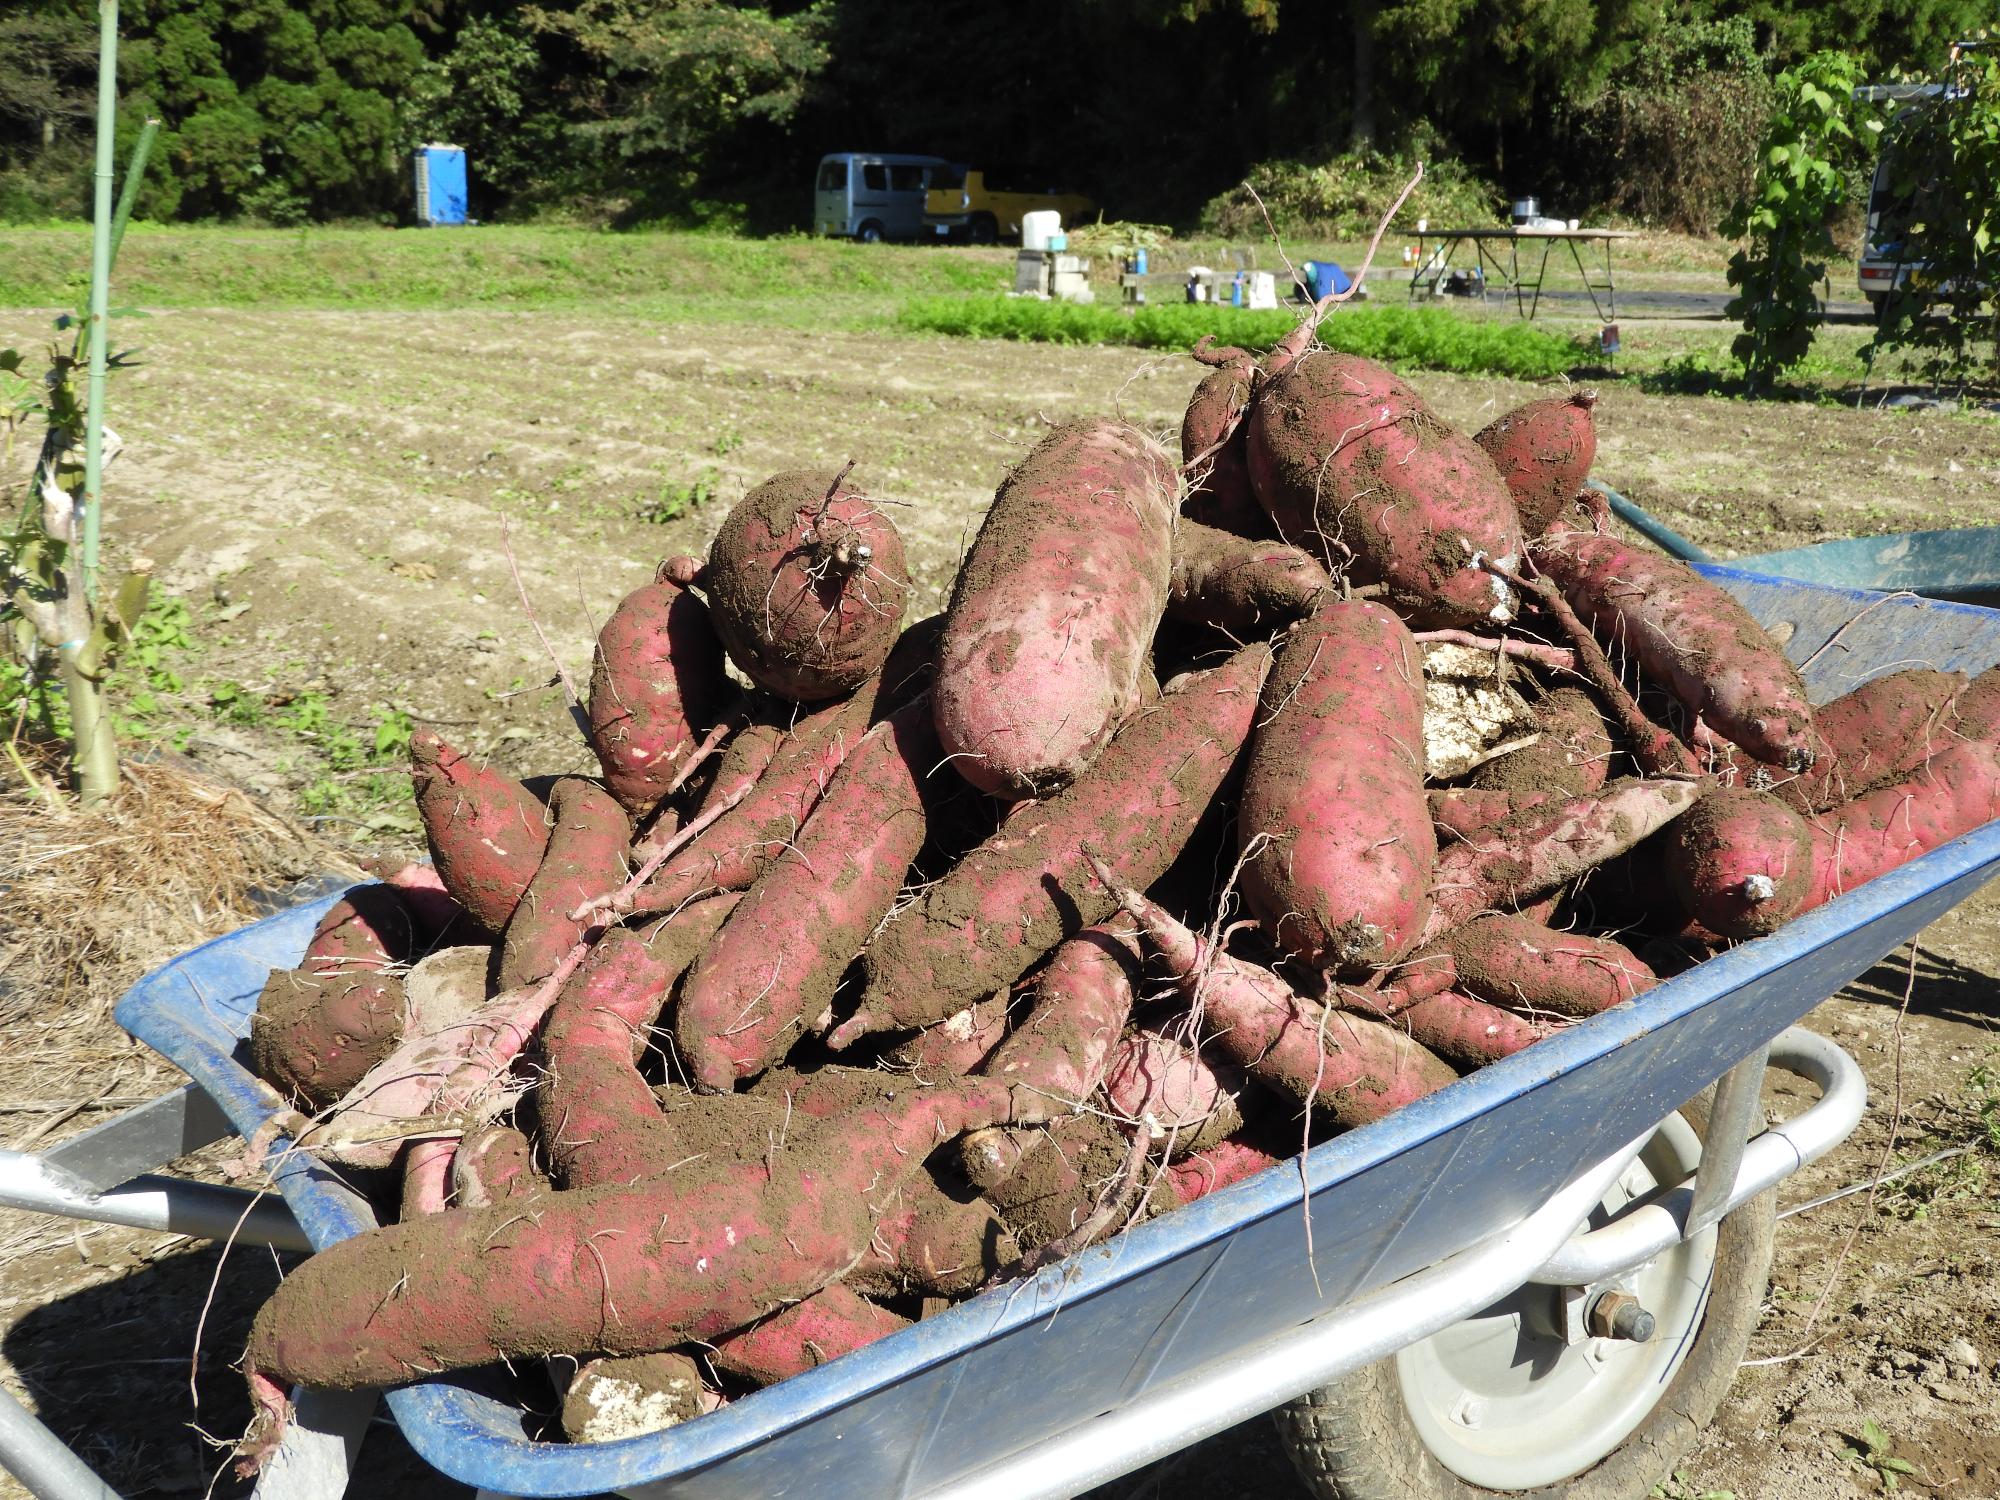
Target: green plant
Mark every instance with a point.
(1680, 1487)
(1343, 196)
(1802, 182)
(1424, 338)
(1875, 1453)
(677, 498)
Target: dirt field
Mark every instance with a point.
(329, 492)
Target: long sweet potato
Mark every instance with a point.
(657, 685)
(1333, 823)
(487, 833)
(1539, 854)
(774, 966)
(1247, 589)
(620, 1270)
(1212, 450)
(588, 833)
(1690, 636)
(807, 584)
(1518, 962)
(1884, 728)
(1351, 464)
(1544, 451)
(1054, 609)
(1080, 1004)
(1026, 888)
(1350, 1068)
(1468, 1032)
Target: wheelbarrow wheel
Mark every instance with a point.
(1505, 1404)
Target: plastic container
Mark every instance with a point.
(1039, 227)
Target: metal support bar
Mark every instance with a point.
(171, 1205)
(42, 1461)
(138, 1140)
(1737, 1105)
(1169, 1418)
(1656, 1223)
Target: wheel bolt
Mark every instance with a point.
(1619, 1315)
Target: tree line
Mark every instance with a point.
(293, 111)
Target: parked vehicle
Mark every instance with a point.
(872, 195)
(969, 203)
(1886, 263)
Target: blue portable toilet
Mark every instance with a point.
(440, 184)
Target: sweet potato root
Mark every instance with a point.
(1350, 463)
(626, 1396)
(1333, 823)
(495, 1164)
(958, 1044)
(585, 859)
(1520, 963)
(657, 685)
(1544, 451)
(1027, 887)
(1080, 1005)
(1690, 636)
(487, 833)
(775, 964)
(1054, 609)
(1247, 589)
(807, 584)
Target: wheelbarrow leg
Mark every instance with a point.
(41, 1460)
(316, 1454)
(1738, 1096)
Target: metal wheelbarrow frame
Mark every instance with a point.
(1189, 1323)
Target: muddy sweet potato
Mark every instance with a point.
(1078, 1009)
(1352, 465)
(588, 832)
(1222, 1165)
(1881, 730)
(1571, 757)
(1054, 609)
(1157, 1083)
(1334, 826)
(960, 1043)
(688, 1255)
(657, 685)
(1349, 1068)
(1022, 891)
(1739, 861)
(774, 966)
(1544, 451)
(1212, 452)
(1691, 637)
(831, 1322)
(1518, 962)
(807, 585)
(1954, 792)
(1468, 1032)
(487, 833)
(1247, 589)
(495, 1164)
(627, 1396)
(320, 1027)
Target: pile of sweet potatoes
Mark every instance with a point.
(888, 959)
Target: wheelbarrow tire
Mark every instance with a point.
(1355, 1439)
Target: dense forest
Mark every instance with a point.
(713, 111)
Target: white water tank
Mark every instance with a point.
(1037, 227)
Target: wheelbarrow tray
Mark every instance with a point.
(987, 1381)
(1961, 565)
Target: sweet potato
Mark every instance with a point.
(1471, 815)
(958, 1044)
(1468, 1032)
(1975, 712)
(1691, 637)
(1080, 1005)
(588, 832)
(657, 685)
(679, 1257)
(807, 584)
(1061, 1173)
(1884, 728)
(934, 1243)
(1573, 755)
(1026, 888)
(1542, 853)
(1212, 450)
(1219, 1166)
(1054, 609)
(1520, 963)
(1954, 792)
(486, 833)
(774, 966)
(1248, 589)
(1544, 451)
(1333, 824)
(1156, 1082)
(831, 1322)
(495, 1164)
(320, 1027)
(1739, 862)
(600, 1120)
(1351, 464)
(1349, 1068)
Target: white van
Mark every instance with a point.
(872, 195)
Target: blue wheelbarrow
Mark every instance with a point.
(1525, 1284)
